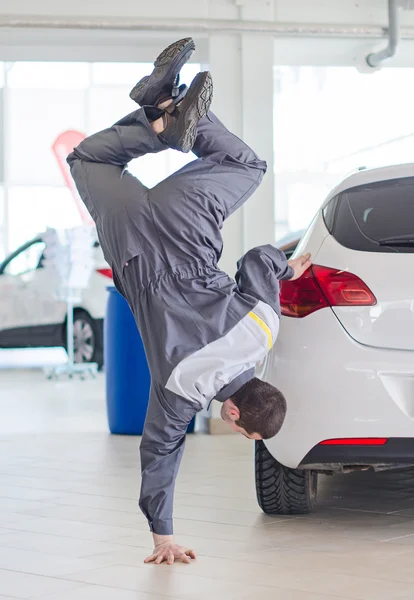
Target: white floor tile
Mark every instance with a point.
(103, 502)
(22, 585)
(179, 583)
(97, 592)
(38, 563)
(73, 529)
(22, 493)
(70, 528)
(130, 520)
(57, 545)
(17, 505)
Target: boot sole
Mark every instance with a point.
(167, 65)
(195, 106)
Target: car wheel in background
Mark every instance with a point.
(86, 338)
(280, 490)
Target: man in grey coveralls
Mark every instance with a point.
(203, 332)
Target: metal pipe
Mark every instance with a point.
(375, 59)
(200, 25)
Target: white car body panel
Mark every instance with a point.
(28, 299)
(390, 276)
(9, 298)
(347, 372)
(337, 390)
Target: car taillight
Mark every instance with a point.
(355, 442)
(105, 272)
(320, 287)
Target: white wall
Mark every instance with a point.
(18, 44)
(241, 63)
(300, 11)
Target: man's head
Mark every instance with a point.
(257, 410)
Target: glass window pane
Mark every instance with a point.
(127, 74)
(48, 75)
(46, 99)
(106, 105)
(27, 260)
(35, 119)
(33, 209)
(328, 122)
(119, 73)
(378, 217)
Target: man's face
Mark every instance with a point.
(230, 414)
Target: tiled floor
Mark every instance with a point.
(70, 528)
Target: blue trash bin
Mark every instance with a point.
(127, 374)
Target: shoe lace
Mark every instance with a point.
(176, 86)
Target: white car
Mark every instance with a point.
(31, 316)
(344, 357)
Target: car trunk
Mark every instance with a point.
(372, 236)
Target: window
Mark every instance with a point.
(328, 122)
(26, 260)
(377, 217)
(45, 99)
(33, 209)
(48, 75)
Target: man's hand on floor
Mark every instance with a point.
(165, 550)
(300, 265)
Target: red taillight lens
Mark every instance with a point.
(342, 288)
(105, 272)
(320, 287)
(301, 297)
(355, 442)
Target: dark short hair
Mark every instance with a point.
(262, 408)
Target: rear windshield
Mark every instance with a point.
(376, 217)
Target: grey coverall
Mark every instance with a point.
(202, 331)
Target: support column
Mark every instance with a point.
(226, 68)
(257, 59)
(242, 69)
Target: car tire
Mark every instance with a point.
(280, 490)
(86, 339)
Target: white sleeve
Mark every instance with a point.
(200, 376)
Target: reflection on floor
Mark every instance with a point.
(31, 358)
(70, 528)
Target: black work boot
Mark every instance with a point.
(163, 83)
(181, 122)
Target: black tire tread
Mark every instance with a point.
(280, 490)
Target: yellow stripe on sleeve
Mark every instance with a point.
(265, 328)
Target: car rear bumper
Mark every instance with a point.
(395, 451)
(337, 388)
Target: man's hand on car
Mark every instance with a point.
(165, 550)
(300, 265)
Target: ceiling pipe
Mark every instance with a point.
(199, 25)
(375, 59)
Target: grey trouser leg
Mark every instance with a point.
(226, 169)
(190, 206)
(227, 164)
(110, 193)
(161, 451)
(98, 164)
